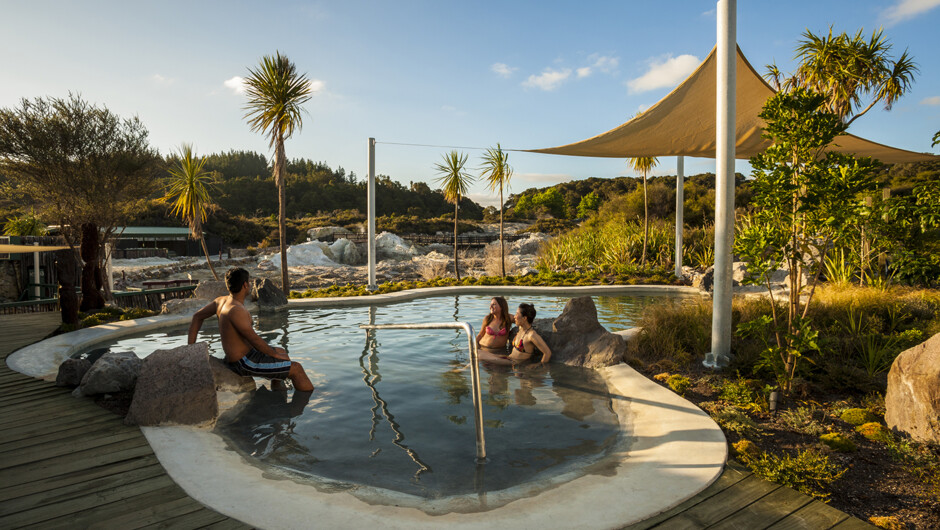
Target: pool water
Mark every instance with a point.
(393, 409)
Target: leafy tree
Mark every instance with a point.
(187, 190)
(82, 166)
(848, 71)
(805, 201)
(550, 201)
(455, 182)
(497, 172)
(27, 224)
(589, 204)
(523, 207)
(644, 164)
(276, 93)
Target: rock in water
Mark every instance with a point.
(175, 387)
(227, 380)
(912, 402)
(269, 296)
(578, 339)
(113, 372)
(71, 372)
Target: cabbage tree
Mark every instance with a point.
(455, 182)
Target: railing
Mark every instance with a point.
(426, 239)
(474, 371)
(151, 299)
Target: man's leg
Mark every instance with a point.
(299, 377)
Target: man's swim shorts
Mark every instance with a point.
(257, 364)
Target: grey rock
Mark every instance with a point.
(268, 295)
(71, 372)
(912, 402)
(576, 338)
(227, 380)
(738, 272)
(705, 280)
(113, 372)
(176, 387)
(210, 290)
(326, 231)
(182, 306)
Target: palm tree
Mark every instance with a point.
(847, 68)
(276, 93)
(496, 171)
(644, 164)
(187, 189)
(455, 182)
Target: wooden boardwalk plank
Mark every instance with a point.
(65, 430)
(813, 516)
(765, 511)
(54, 449)
(76, 461)
(145, 495)
(853, 523)
(199, 519)
(160, 514)
(228, 524)
(721, 505)
(106, 473)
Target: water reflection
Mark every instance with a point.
(268, 419)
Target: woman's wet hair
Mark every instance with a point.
(507, 318)
(528, 311)
(235, 278)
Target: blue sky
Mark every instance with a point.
(525, 74)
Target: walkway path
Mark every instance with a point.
(68, 462)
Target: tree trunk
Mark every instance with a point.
(646, 222)
(91, 277)
(205, 250)
(66, 270)
(502, 251)
(456, 266)
(280, 177)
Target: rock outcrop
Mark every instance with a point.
(912, 401)
(178, 387)
(576, 338)
(71, 372)
(113, 372)
(210, 290)
(268, 295)
(326, 232)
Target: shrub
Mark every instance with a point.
(679, 384)
(858, 416)
(887, 522)
(735, 420)
(743, 393)
(132, 313)
(662, 377)
(679, 331)
(809, 472)
(91, 321)
(838, 442)
(746, 450)
(875, 432)
(802, 419)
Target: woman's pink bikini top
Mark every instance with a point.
(500, 333)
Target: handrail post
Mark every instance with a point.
(474, 372)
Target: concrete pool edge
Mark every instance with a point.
(677, 451)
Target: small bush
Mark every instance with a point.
(838, 442)
(679, 384)
(875, 432)
(132, 313)
(858, 416)
(746, 450)
(802, 420)
(887, 522)
(809, 472)
(662, 377)
(91, 321)
(743, 393)
(735, 420)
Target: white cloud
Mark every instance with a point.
(550, 79)
(162, 80)
(584, 71)
(502, 69)
(542, 179)
(666, 72)
(905, 9)
(932, 100)
(316, 85)
(600, 63)
(236, 84)
(484, 199)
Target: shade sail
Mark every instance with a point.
(683, 123)
(22, 249)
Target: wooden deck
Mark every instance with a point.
(66, 462)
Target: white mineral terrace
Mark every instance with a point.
(675, 451)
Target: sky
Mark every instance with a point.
(447, 74)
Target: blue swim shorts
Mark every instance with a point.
(257, 364)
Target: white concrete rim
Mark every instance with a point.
(676, 450)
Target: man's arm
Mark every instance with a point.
(204, 313)
(241, 320)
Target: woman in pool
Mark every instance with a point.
(494, 334)
(527, 340)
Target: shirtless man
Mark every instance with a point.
(245, 352)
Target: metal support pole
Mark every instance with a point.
(474, 371)
(108, 250)
(680, 207)
(37, 290)
(370, 207)
(724, 184)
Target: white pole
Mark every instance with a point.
(371, 213)
(36, 290)
(680, 203)
(108, 249)
(724, 184)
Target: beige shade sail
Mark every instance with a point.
(23, 249)
(683, 124)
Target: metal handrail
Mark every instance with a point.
(474, 371)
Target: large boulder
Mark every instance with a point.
(326, 232)
(175, 387)
(227, 380)
(210, 290)
(112, 372)
(576, 338)
(912, 402)
(346, 252)
(269, 296)
(71, 372)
